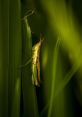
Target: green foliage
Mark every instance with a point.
(60, 58)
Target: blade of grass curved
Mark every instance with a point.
(63, 84)
(67, 79)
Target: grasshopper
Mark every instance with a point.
(35, 57)
(36, 63)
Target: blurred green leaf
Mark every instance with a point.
(29, 92)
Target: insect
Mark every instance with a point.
(36, 63)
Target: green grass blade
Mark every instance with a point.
(4, 56)
(15, 50)
(29, 94)
(56, 50)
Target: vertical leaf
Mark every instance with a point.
(29, 94)
(15, 58)
(4, 56)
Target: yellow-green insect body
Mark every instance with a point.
(36, 63)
